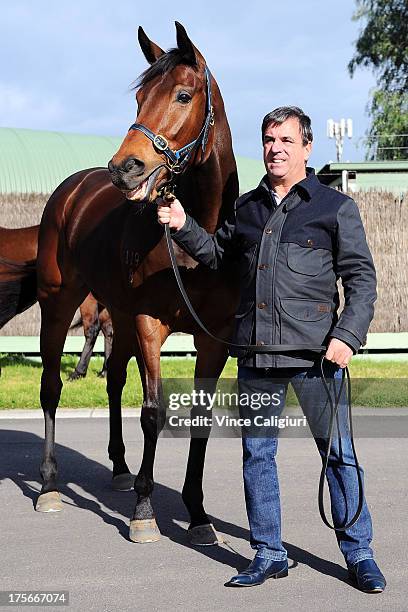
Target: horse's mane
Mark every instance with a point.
(166, 63)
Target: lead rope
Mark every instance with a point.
(334, 408)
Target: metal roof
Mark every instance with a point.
(367, 166)
(371, 175)
(36, 161)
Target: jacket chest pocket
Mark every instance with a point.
(304, 260)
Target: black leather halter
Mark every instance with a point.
(178, 160)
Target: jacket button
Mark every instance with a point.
(268, 230)
(262, 305)
(310, 242)
(263, 266)
(260, 343)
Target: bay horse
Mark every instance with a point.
(18, 282)
(99, 232)
(18, 292)
(94, 318)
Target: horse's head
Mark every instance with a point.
(174, 99)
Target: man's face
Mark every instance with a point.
(284, 152)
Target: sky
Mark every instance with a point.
(68, 66)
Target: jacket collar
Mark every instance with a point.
(310, 184)
(305, 188)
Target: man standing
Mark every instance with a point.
(293, 238)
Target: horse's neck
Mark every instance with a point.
(211, 189)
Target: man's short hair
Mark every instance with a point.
(282, 113)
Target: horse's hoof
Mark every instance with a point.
(203, 535)
(49, 502)
(102, 374)
(75, 376)
(123, 482)
(145, 530)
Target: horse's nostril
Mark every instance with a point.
(111, 166)
(130, 164)
(134, 164)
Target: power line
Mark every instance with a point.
(377, 136)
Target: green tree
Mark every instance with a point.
(383, 46)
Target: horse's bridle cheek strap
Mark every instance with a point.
(178, 160)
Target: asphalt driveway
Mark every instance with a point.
(85, 549)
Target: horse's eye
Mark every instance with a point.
(183, 97)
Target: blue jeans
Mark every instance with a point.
(259, 466)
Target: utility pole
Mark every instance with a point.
(338, 130)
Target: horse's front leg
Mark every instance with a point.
(91, 335)
(211, 359)
(90, 323)
(143, 526)
(107, 330)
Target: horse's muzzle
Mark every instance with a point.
(135, 187)
(127, 175)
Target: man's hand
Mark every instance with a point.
(171, 213)
(339, 352)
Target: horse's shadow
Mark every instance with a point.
(20, 454)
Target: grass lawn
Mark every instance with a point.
(374, 383)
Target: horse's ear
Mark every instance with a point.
(190, 53)
(151, 51)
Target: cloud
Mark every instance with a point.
(21, 108)
(69, 64)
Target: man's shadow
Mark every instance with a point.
(21, 453)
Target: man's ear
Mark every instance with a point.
(308, 150)
(151, 51)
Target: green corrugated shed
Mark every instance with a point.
(38, 161)
(35, 161)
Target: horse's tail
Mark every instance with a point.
(18, 288)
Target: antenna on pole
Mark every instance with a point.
(338, 130)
